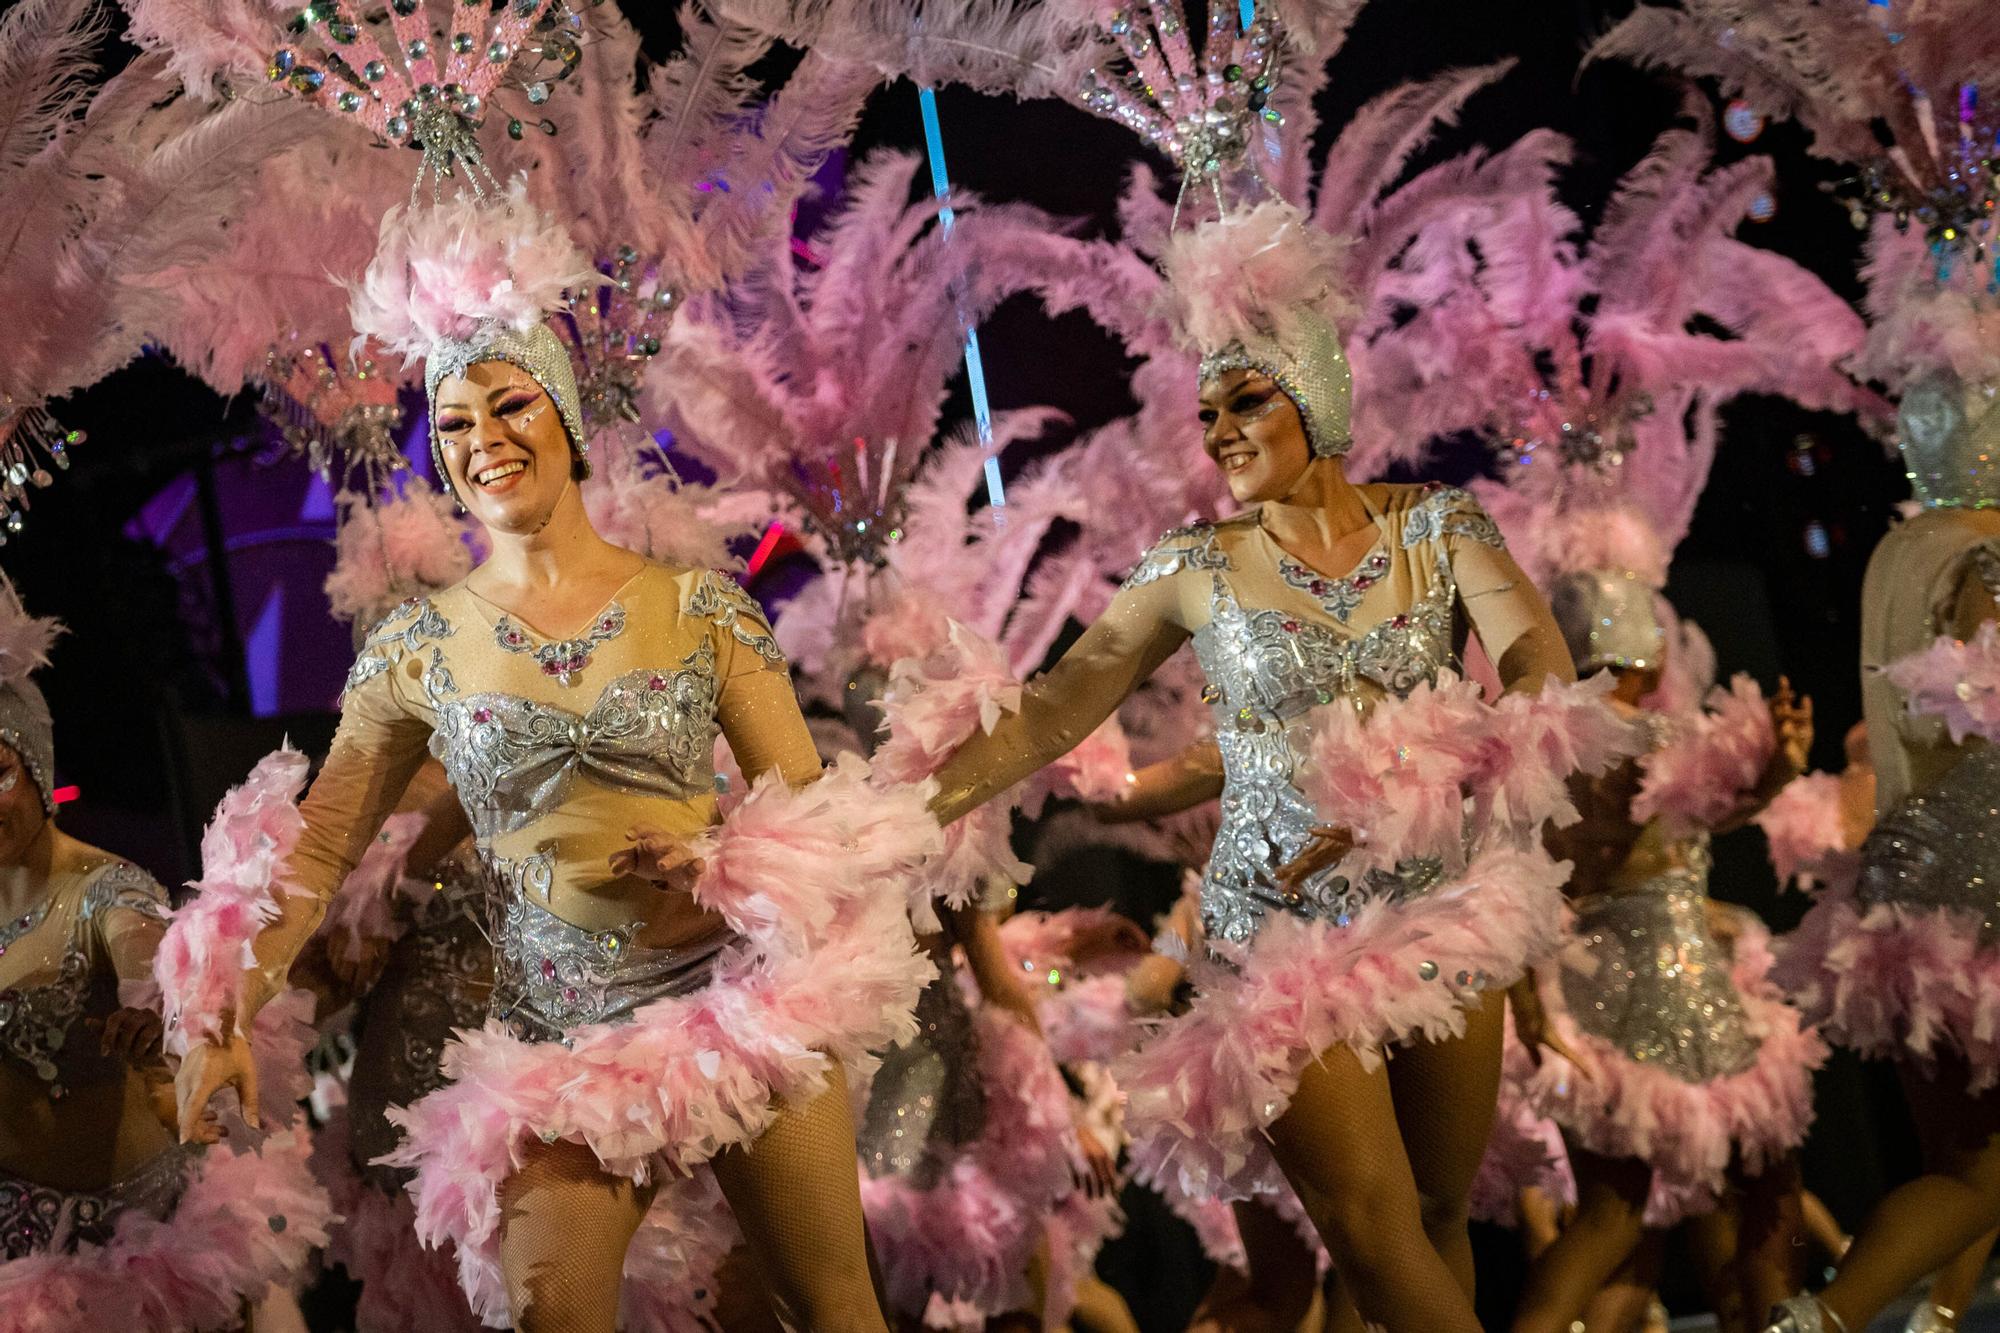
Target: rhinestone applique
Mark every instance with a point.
(1337, 597)
(568, 657)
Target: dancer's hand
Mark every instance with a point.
(1326, 850)
(208, 1068)
(132, 1034)
(1792, 720)
(660, 857)
(1097, 1173)
(1531, 1025)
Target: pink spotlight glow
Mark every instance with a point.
(64, 795)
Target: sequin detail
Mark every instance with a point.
(38, 1023)
(551, 977)
(1266, 670)
(403, 631)
(926, 1099)
(512, 759)
(721, 599)
(1337, 597)
(1940, 848)
(1450, 512)
(37, 1219)
(1191, 547)
(564, 659)
(1652, 982)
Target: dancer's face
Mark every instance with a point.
(1251, 429)
(21, 816)
(504, 446)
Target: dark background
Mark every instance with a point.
(185, 551)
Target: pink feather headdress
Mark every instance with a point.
(25, 725)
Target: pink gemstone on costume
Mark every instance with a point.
(553, 668)
(1317, 587)
(569, 994)
(657, 683)
(548, 969)
(1400, 622)
(1291, 627)
(609, 625)
(482, 715)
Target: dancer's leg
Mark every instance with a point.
(565, 1224)
(1278, 1291)
(1771, 1246)
(797, 1198)
(1445, 1093)
(1607, 1228)
(1824, 1228)
(1340, 1147)
(1100, 1309)
(1919, 1226)
(1957, 1282)
(1627, 1298)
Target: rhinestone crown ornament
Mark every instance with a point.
(334, 418)
(1205, 113)
(30, 440)
(613, 333)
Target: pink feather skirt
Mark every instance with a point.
(244, 1220)
(1207, 1085)
(1686, 1059)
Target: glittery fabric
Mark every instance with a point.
(438, 978)
(1313, 372)
(550, 977)
(538, 351)
(926, 1099)
(1941, 846)
(1649, 979)
(1607, 619)
(1949, 435)
(57, 984)
(36, 1219)
(26, 729)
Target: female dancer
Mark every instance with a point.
(1899, 959)
(1675, 1070)
(1326, 592)
(635, 1035)
(106, 1221)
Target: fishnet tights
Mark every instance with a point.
(797, 1199)
(564, 1227)
(1919, 1227)
(1444, 1093)
(1340, 1147)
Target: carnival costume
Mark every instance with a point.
(189, 1239)
(1367, 957)
(656, 1057)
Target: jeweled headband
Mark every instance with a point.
(536, 350)
(1608, 619)
(1950, 442)
(1313, 373)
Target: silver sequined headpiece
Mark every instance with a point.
(26, 728)
(1608, 619)
(1950, 440)
(1313, 372)
(538, 351)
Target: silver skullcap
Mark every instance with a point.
(25, 728)
(1950, 440)
(1607, 619)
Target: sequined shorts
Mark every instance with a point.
(38, 1219)
(1941, 848)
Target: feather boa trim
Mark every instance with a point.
(1696, 780)
(206, 950)
(1955, 681)
(934, 704)
(1201, 1093)
(1897, 983)
(363, 909)
(1689, 1133)
(957, 1253)
(1081, 1008)
(248, 1220)
(403, 1285)
(1806, 831)
(1213, 1222)
(814, 879)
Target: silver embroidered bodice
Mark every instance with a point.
(1267, 668)
(1940, 848)
(43, 1025)
(39, 1219)
(1651, 980)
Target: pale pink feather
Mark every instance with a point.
(1956, 681)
